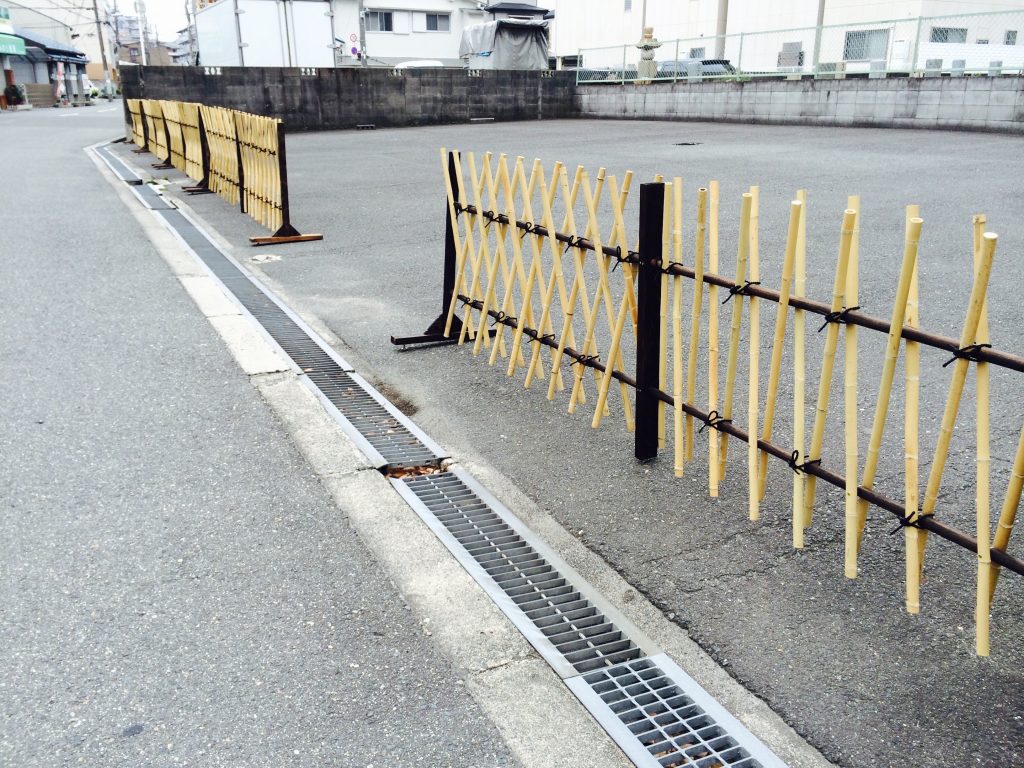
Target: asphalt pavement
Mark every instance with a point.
(843, 663)
(177, 586)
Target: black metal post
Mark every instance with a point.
(435, 332)
(203, 187)
(648, 336)
(241, 172)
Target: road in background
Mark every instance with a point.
(841, 660)
(176, 586)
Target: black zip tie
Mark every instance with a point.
(794, 457)
(907, 521)
(712, 420)
(528, 229)
(970, 352)
(668, 270)
(586, 359)
(546, 337)
(498, 318)
(837, 317)
(618, 257)
(742, 290)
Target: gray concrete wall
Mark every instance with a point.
(963, 103)
(319, 99)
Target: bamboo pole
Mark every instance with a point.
(956, 385)
(518, 276)
(679, 445)
(713, 474)
(754, 383)
(828, 360)
(490, 296)
(912, 372)
(742, 249)
(900, 312)
(799, 375)
(617, 201)
(695, 313)
(779, 340)
(983, 597)
(579, 280)
(547, 297)
(667, 237)
(1008, 514)
(534, 277)
(851, 461)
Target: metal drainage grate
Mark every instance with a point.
(565, 625)
(381, 431)
(660, 716)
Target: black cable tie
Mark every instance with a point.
(837, 317)
(970, 352)
(794, 457)
(618, 257)
(528, 229)
(668, 269)
(587, 359)
(741, 290)
(498, 318)
(546, 337)
(712, 420)
(907, 521)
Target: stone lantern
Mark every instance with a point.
(647, 69)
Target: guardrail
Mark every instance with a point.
(508, 231)
(954, 45)
(236, 155)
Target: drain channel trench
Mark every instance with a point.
(654, 711)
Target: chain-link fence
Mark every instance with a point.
(977, 43)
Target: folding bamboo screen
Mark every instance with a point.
(238, 156)
(543, 277)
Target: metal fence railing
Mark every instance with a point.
(965, 44)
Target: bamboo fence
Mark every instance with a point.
(545, 279)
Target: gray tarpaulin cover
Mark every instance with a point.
(506, 44)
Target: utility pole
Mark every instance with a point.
(108, 87)
(140, 8)
(362, 33)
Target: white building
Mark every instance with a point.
(326, 33)
(767, 36)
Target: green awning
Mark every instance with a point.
(11, 45)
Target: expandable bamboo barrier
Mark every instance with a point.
(175, 137)
(239, 156)
(156, 130)
(138, 122)
(581, 305)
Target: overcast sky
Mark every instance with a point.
(168, 16)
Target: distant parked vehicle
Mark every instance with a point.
(708, 67)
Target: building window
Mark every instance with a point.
(1010, 38)
(133, 51)
(866, 45)
(981, 41)
(438, 22)
(697, 53)
(949, 35)
(628, 6)
(380, 21)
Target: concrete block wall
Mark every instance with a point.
(962, 103)
(321, 99)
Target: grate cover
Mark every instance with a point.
(660, 716)
(538, 593)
